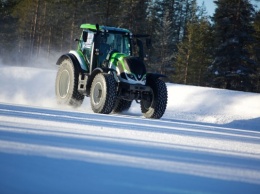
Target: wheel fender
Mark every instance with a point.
(73, 59)
(153, 76)
(80, 59)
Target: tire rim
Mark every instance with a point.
(97, 94)
(64, 83)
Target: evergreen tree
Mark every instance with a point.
(232, 67)
(7, 38)
(167, 23)
(195, 51)
(165, 43)
(256, 48)
(25, 13)
(132, 15)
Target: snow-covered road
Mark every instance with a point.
(53, 151)
(208, 144)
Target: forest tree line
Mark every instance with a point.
(187, 45)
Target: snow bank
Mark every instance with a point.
(212, 105)
(35, 87)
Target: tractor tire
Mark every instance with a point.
(155, 106)
(122, 105)
(103, 93)
(66, 86)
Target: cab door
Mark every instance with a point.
(87, 45)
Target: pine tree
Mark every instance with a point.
(256, 48)
(195, 51)
(168, 24)
(133, 14)
(7, 29)
(232, 67)
(165, 43)
(25, 13)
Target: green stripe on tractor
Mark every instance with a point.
(118, 57)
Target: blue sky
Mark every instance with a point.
(210, 5)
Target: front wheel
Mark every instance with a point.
(155, 104)
(103, 93)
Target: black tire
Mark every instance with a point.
(103, 93)
(122, 105)
(155, 106)
(66, 86)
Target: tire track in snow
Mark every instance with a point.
(131, 122)
(196, 136)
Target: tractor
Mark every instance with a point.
(109, 67)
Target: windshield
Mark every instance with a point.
(117, 42)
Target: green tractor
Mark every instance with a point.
(105, 68)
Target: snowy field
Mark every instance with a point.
(208, 141)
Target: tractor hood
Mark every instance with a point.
(130, 69)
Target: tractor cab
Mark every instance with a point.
(98, 43)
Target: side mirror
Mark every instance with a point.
(148, 43)
(85, 36)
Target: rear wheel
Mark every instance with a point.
(122, 105)
(66, 86)
(155, 104)
(103, 93)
